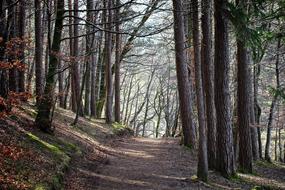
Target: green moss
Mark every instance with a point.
(45, 144)
(121, 129)
(266, 164)
(117, 125)
(61, 150)
(41, 187)
(262, 188)
(257, 186)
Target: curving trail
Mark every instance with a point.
(140, 163)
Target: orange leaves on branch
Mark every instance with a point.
(16, 46)
(15, 64)
(13, 99)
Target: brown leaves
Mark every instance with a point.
(16, 46)
(12, 152)
(15, 64)
(9, 154)
(13, 99)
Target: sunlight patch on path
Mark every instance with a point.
(117, 180)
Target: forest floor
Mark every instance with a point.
(93, 155)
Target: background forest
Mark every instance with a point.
(210, 73)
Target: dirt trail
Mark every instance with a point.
(141, 163)
(136, 164)
(149, 164)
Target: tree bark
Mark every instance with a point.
(75, 53)
(118, 66)
(183, 77)
(3, 35)
(225, 152)
(89, 57)
(273, 103)
(21, 34)
(207, 61)
(108, 66)
(61, 89)
(202, 170)
(257, 109)
(244, 106)
(43, 118)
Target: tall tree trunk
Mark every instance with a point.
(118, 66)
(128, 98)
(67, 89)
(108, 66)
(225, 151)
(273, 103)
(12, 34)
(183, 77)
(245, 143)
(38, 51)
(93, 87)
(253, 128)
(89, 57)
(75, 53)
(257, 109)
(3, 35)
(21, 34)
(43, 119)
(207, 61)
(72, 61)
(61, 89)
(202, 171)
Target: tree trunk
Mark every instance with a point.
(61, 89)
(12, 34)
(43, 119)
(257, 109)
(128, 98)
(202, 171)
(93, 87)
(108, 66)
(3, 34)
(253, 128)
(118, 66)
(89, 57)
(225, 151)
(245, 143)
(183, 77)
(75, 53)
(273, 103)
(206, 54)
(21, 34)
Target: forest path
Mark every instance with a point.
(144, 163)
(152, 164)
(134, 164)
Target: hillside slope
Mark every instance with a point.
(92, 155)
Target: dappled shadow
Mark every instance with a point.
(149, 164)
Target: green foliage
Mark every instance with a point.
(244, 20)
(121, 129)
(280, 93)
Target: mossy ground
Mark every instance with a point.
(42, 161)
